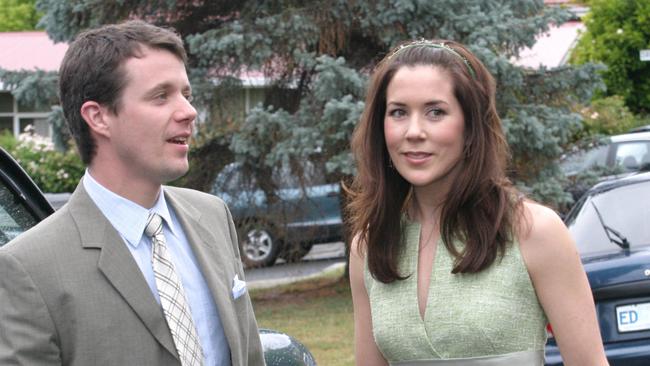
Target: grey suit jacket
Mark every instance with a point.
(72, 294)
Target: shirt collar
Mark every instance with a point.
(127, 217)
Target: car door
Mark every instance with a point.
(22, 204)
(311, 205)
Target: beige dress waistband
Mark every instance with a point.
(525, 358)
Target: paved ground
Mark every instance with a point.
(322, 258)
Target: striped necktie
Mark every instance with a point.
(172, 297)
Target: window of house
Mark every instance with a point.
(29, 108)
(6, 124)
(14, 117)
(6, 102)
(41, 126)
(254, 97)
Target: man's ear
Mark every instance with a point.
(96, 116)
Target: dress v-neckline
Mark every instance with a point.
(416, 264)
(423, 319)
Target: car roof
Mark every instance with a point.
(618, 182)
(643, 128)
(635, 136)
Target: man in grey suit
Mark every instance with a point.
(83, 287)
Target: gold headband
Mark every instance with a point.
(441, 45)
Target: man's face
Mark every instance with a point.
(150, 132)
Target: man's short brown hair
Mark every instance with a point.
(92, 70)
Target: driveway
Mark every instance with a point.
(322, 258)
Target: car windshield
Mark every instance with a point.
(623, 209)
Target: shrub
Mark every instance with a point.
(608, 116)
(53, 171)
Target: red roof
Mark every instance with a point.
(30, 50)
(552, 48)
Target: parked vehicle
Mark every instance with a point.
(23, 205)
(612, 157)
(303, 211)
(644, 128)
(611, 227)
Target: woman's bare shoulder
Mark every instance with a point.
(538, 220)
(543, 236)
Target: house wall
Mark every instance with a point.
(230, 105)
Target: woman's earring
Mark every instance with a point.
(390, 163)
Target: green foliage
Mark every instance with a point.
(320, 129)
(616, 32)
(541, 122)
(581, 182)
(316, 56)
(18, 15)
(608, 116)
(8, 141)
(35, 88)
(53, 171)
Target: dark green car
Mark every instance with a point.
(295, 211)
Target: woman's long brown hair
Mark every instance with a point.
(481, 208)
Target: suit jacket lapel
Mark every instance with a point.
(118, 265)
(204, 241)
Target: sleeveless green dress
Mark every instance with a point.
(493, 312)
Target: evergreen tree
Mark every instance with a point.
(316, 57)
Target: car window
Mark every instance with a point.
(285, 178)
(622, 210)
(14, 216)
(235, 180)
(231, 179)
(631, 155)
(585, 159)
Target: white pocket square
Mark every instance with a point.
(238, 287)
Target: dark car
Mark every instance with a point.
(611, 227)
(23, 205)
(303, 210)
(607, 158)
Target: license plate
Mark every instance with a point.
(633, 317)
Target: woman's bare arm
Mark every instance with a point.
(561, 285)
(365, 348)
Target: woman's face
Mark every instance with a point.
(424, 126)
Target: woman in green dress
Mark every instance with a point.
(450, 264)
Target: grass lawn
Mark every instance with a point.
(316, 312)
